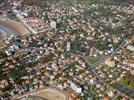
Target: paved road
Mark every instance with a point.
(91, 89)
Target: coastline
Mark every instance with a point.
(11, 27)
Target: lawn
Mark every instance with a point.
(128, 82)
(92, 60)
(130, 52)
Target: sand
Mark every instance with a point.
(19, 26)
(47, 94)
(11, 27)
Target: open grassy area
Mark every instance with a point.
(128, 81)
(130, 52)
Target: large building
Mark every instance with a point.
(109, 62)
(68, 46)
(53, 24)
(76, 87)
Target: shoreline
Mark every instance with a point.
(12, 26)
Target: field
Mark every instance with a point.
(46, 94)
